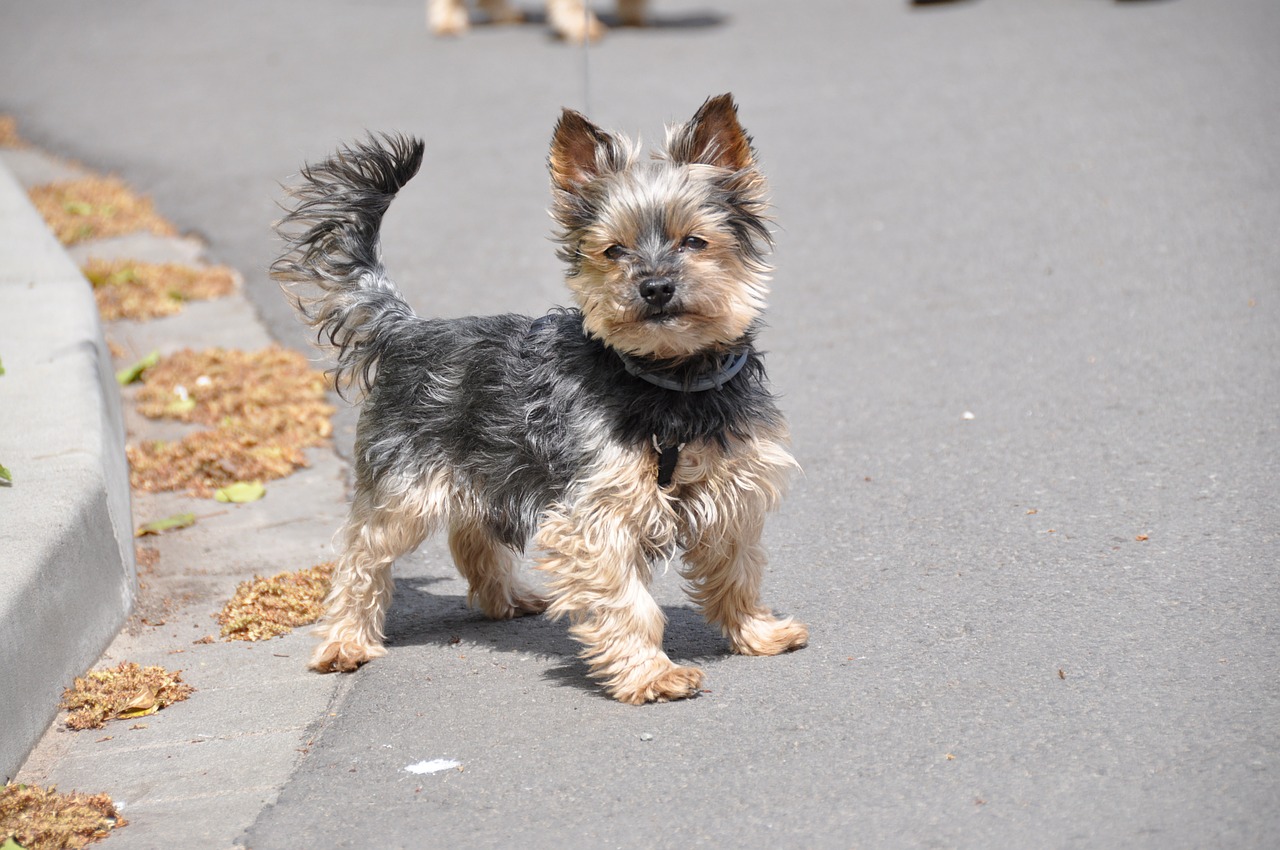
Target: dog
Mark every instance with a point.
(571, 20)
(611, 434)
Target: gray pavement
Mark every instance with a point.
(1024, 326)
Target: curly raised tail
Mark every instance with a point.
(332, 270)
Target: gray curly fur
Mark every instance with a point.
(331, 269)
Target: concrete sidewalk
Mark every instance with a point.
(200, 772)
(67, 572)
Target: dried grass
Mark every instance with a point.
(207, 461)
(267, 408)
(218, 384)
(126, 289)
(44, 819)
(121, 692)
(95, 208)
(9, 137)
(269, 607)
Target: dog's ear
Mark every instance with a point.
(712, 137)
(581, 152)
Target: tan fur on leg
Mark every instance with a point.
(447, 17)
(724, 509)
(725, 581)
(572, 21)
(597, 554)
(490, 570)
(375, 535)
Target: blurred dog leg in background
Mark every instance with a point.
(570, 19)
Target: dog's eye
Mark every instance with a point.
(693, 243)
(615, 252)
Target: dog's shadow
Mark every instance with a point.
(419, 617)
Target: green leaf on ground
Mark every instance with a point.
(127, 376)
(172, 523)
(241, 491)
(5, 475)
(179, 406)
(1, 373)
(111, 276)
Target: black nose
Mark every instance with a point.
(657, 291)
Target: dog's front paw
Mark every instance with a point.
(528, 602)
(768, 636)
(658, 682)
(509, 603)
(343, 656)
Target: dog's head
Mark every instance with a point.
(666, 256)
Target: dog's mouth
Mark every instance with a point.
(663, 315)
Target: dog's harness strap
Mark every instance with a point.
(667, 460)
(668, 457)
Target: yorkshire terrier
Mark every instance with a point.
(611, 435)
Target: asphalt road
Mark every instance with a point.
(1025, 326)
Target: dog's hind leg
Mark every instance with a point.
(380, 529)
(490, 569)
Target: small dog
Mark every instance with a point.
(572, 20)
(610, 435)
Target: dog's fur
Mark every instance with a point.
(504, 429)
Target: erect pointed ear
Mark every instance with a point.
(579, 150)
(712, 137)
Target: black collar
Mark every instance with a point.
(662, 374)
(715, 378)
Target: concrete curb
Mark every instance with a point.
(67, 571)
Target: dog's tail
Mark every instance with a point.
(332, 269)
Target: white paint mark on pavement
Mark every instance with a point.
(433, 766)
